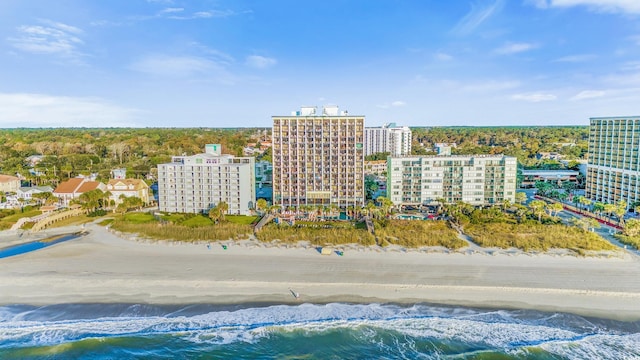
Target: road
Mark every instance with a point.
(604, 231)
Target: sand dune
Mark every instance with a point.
(102, 267)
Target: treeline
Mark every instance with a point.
(69, 152)
(521, 142)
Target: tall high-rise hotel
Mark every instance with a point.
(613, 171)
(318, 159)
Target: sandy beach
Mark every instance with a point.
(102, 267)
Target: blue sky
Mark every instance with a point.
(231, 63)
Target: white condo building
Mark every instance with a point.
(613, 170)
(197, 183)
(475, 180)
(387, 138)
(318, 159)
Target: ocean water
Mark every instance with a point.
(307, 331)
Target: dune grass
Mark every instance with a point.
(417, 233)
(315, 235)
(536, 237)
(158, 231)
(629, 240)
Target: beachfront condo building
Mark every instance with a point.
(474, 179)
(388, 138)
(197, 183)
(318, 159)
(613, 170)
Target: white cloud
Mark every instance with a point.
(576, 58)
(40, 110)
(610, 6)
(477, 15)
(514, 48)
(260, 62)
(51, 38)
(534, 97)
(442, 56)
(177, 14)
(175, 66)
(490, 86)
(397, 103)
(588, 94)
(171, 10)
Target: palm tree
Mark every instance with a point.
(506, 203)
(521, 197)
(369, 207)
(609, 209)
(598, 207)
(554, 208)
(385, 203)
(537, 206)
(621, 209)
(261, 204)
(105, 198)
(224, 207)
(351, 211)
(214, 214)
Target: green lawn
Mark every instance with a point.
(8, 221)
(139, 218)
(197, 221)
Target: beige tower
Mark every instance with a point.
(318, 159)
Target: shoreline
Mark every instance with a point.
(104, 268)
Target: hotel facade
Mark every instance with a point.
(613, 170)
(388, 138)
(197, 183)
(475, 180)
(318, 159)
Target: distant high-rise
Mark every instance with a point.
(318, 159)
(613, 171)
(388, 138)
(473, 179)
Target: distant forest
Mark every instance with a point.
(69, 152)
(525, 143)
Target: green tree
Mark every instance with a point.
(620, 210)
(224, 207)
(544, 188)
(598, 207)
(632, 228)
(215, 214)
(538, 207)
(261, 204)
(609, 209)
(521, 197)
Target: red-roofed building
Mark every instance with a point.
(73, 188)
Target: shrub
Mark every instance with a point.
(98, 212)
